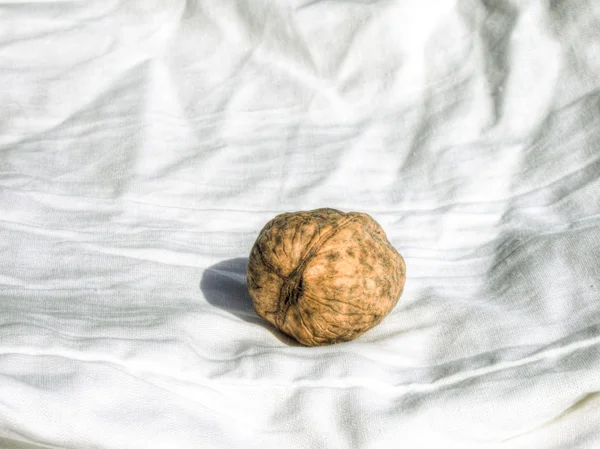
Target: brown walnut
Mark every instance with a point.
(324, 276)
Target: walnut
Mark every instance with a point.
(324, 276)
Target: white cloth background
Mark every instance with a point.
(143, 145)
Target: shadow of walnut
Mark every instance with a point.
(224, 286)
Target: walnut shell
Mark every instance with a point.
(324, 276)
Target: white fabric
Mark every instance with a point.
(143, 145)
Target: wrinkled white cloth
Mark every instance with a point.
(144, 144)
